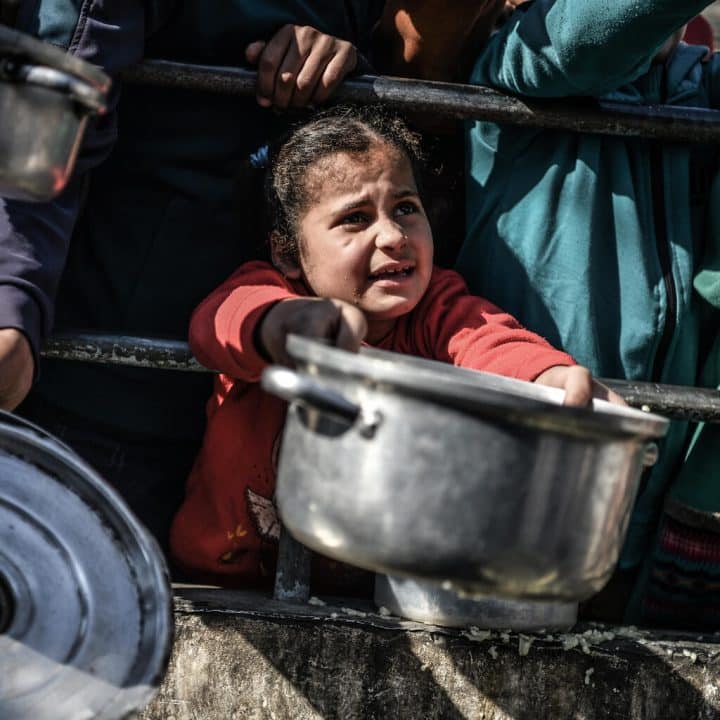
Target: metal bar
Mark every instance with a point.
(292, 577)
(660, 122)
(123, 350)
(674, 401)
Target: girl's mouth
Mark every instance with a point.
(392, 273)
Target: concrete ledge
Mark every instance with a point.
(243, 655)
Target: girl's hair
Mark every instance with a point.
(348, 129)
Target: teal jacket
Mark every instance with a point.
(592, 241)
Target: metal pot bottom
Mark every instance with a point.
(430, 603)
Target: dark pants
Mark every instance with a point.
(148, 472)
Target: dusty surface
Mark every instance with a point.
(241, 655)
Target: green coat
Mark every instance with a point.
(593, 241)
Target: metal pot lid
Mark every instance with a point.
(475, 392)
(85, 603)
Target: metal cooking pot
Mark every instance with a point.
(429, 602)
(85, 602)
(46, 97)
(412, 467)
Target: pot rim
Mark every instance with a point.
(477, 392)
(25, 49)
(34, 446)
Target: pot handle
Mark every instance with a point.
(292, 386)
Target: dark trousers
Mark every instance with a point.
(149, 472)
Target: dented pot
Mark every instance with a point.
(46, 98)
(417, 468)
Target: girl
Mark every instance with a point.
(352, 258)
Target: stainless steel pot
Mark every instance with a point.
(46, 98)
(85, 603)
(411, 467)
(428, 602)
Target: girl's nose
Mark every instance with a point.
(390, 235)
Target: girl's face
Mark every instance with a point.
(365, 238)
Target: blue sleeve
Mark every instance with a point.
(561, 48)
(34, 237)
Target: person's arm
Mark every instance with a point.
(471, 332)
(547, 48)
(432, 39)
(560, 48)
(34, 237)
(244, 324)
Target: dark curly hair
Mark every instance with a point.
(345, 129)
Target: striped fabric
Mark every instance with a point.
(683, 589)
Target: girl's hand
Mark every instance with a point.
(579, 385)
(299, 66)
(334, 320)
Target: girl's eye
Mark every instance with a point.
(356, 218)
(406, 208)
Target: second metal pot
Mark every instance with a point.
(430, 603)
(46, 98)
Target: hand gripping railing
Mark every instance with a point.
(453, 100)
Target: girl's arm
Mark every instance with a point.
(453, 326)
(223, 327)
(244, 324)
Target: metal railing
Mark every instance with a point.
(463, 102)
(674, 401)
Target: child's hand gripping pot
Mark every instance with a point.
(330, 319)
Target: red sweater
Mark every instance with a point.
(227, 529)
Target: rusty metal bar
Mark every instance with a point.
(674, 401)
(660, 122)
(122, 350)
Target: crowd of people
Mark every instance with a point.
(606, 248)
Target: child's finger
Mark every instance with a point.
(352, 328)
(270, 62)
(603, 392)
(578, 386)
(340, 65)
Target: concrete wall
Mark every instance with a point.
(241, 655)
